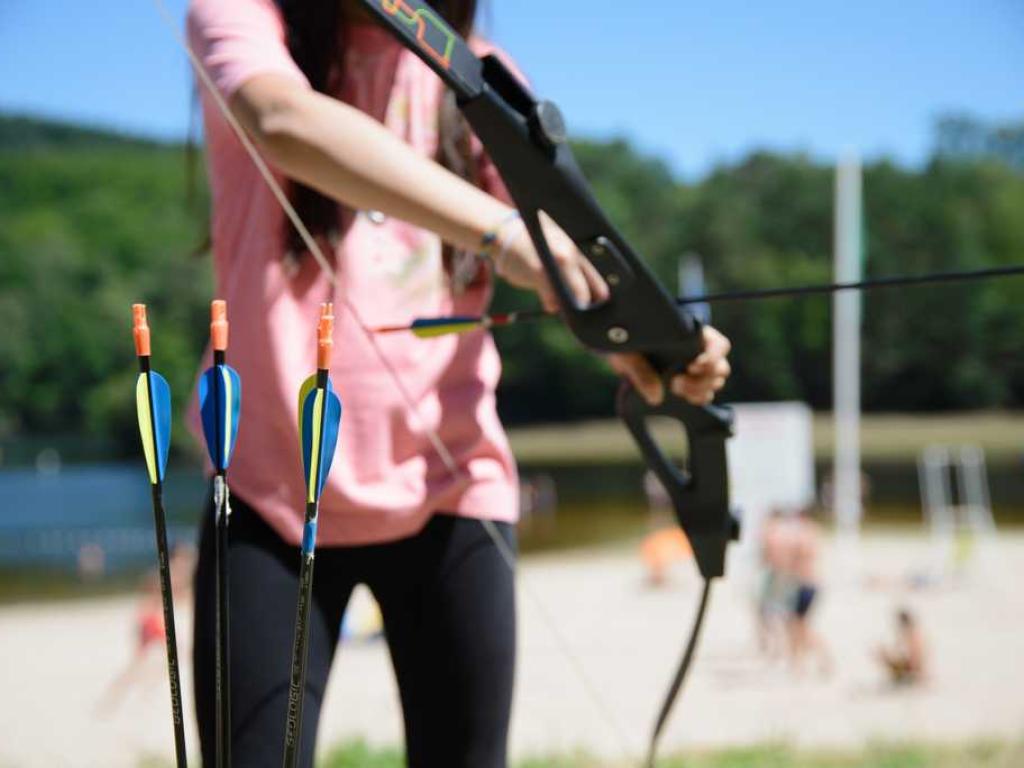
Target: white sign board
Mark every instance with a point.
(771, 460)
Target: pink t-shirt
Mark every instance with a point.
(387, 479)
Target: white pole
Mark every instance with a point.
(691, 283)
(846, 318)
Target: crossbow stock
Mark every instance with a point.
(527, 141)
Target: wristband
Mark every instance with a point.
(492, 236)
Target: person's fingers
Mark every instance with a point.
(689, 387)
(716, 347)
(575, 279)
(547, 297)
(696, 387)
(716, 341)
(598, 287)
(641, 375)
(709, 367)
(583, 280)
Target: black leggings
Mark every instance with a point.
(447, 599)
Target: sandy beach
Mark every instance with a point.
(597, 649)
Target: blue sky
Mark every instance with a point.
(695, 83)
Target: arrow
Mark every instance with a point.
(319, 418)
(220, 400)
(153, 401)
(431, 327)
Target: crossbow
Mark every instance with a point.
(526, 140)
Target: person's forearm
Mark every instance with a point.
(347, 155)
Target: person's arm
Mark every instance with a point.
(347, 155)
(350, 157)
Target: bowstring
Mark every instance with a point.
(505, 551)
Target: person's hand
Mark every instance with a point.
(703, 378)
(520, 265)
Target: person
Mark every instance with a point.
(800, 565)
(904, 661)
(398, 193)
(776, 592)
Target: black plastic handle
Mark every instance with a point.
(699, 491)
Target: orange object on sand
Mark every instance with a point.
(151, 627)
(660, 548)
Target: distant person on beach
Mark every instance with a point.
(776, 591)
(802, 546)
(150, 631)
(905, 660)
(538, 500)
(92, 562)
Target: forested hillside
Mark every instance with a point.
(91, 221)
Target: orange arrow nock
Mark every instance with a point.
(141, 330)
(219, 324)
(325, 336)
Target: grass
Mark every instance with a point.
(974, 755)
(884, 437)
(359, 755)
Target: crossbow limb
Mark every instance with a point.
(527, 142)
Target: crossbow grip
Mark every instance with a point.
(700, 491)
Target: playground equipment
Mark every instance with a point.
(955, 500)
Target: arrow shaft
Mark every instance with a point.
(222, 664)
(164, 577)
(222, 671)
(300, 654)
(300, 645)
(220, 400)
(170, 633)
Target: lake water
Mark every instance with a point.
(49, 518)
(60, 518)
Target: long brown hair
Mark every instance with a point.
(314, 41)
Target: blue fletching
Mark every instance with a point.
(331, 426)
(220, 407)
(326, 437)
(160, 392)
(236, 411)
